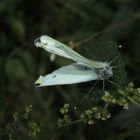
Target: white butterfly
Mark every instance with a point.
(82, 71)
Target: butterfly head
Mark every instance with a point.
(105, 72)
(108, 72)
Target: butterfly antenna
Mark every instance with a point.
(114, 59)
(89, 92)
(118, 66)
(112, 82)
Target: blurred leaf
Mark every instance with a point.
(136, 55)
(2, 94)
(18, 29)
(127, 119)
(15, 70)
(122, 24)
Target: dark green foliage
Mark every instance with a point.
(23, 124)
(93, 28)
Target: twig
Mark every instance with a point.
(133, 101)
(111, 27)
(125, 135)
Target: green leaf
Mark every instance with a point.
(2, 93)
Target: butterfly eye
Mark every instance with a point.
(54, 76)
(37, 41)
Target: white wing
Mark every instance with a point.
(53, 46)
(74, 73)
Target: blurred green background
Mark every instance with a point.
(84, 25)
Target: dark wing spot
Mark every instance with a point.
(37, 84)
(58, 47)
(86, 68)
(54, 76)
(83, 67)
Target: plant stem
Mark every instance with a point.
(106, 105)
(107, 29)
(133, 101)
(125, 135)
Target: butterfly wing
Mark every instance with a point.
(70, 74)
(53, 46)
